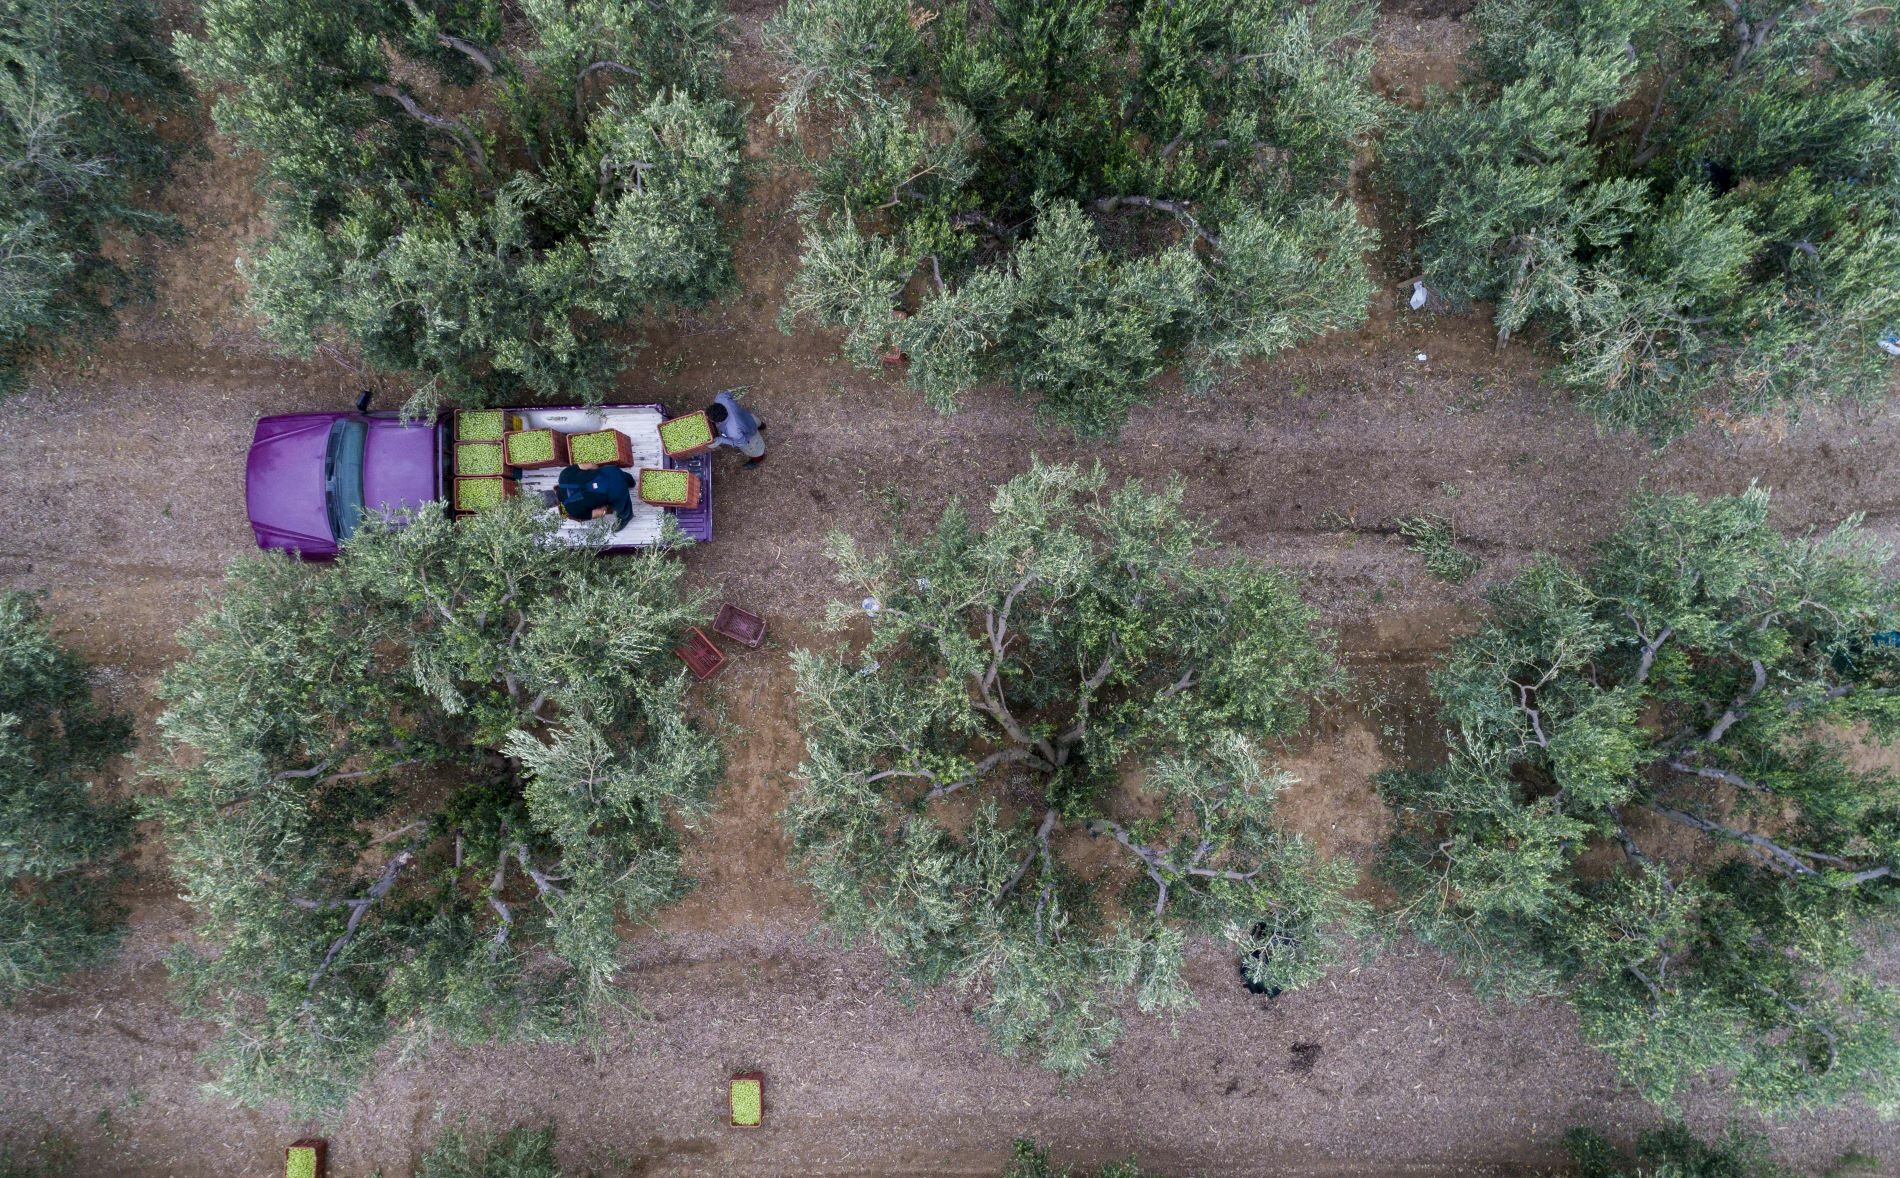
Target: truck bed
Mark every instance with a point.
(641, 424)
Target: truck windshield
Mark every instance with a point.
(343, 477)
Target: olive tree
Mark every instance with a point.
(1698, 205)
(60, 840)
(411, 795)
(76, 165)
(472, 201)
(1651, 802)
(1071, 198)
(1041, 773)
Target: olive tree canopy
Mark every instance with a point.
(1042, 771)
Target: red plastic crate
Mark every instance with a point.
(702, 658)
(740, 625)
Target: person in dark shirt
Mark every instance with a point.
(588, 491)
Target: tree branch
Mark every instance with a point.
(874, 778)
(1636, 853)
(983, 221)
(501, 908)
(1536, 717)
(1236, 876)
(994, 703)
(944, 789)
(544, 884)
(997, 626)
(313, 771)
(451, 127)
(580, 83)
(1650, 646)
(465, 48)
(1084, 698)
(1737, 709)
(351, 776)
(1713, 774)
(1040, 849)
(1177, 209)
(1655, 993)
(469, 50)
(1791, 860)
(1187, 680)
(1155, 864)
(1829, 696)
(379, 840)
(358, 907)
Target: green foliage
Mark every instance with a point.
(1698, 205)
(479, 494)
(1078, 671)
(1085, 193)
(76, 167)
(1437, 542)
(1029, 1161)
(686, 433)
(1672, 1151)
(1649, 807)
(480, 425)
(601, 446)
(534, 445)
(747, 1100)
(413, 793)
(518, 1153)
(59, 843)
(493, 250)
(664, 486)
(479, 458)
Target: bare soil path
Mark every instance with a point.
(124, 499)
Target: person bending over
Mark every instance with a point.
(737, 428)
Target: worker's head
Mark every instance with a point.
(715, 413)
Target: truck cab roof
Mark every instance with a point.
(311, 476)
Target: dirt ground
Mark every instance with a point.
(125, 502)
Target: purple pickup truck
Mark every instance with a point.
(311, 476)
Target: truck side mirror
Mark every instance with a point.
(362, 401)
